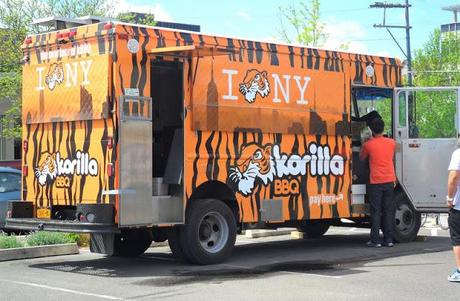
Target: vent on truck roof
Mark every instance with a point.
(60, 23)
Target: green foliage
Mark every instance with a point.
(305, 20)
(437, 64)
(9, 242)
(135, 18)
(43, 238)
(384, 108)
(16, 17)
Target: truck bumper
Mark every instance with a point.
(33, 224)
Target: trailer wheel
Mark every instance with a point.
(210, 232)
(132, 242)
(314, 229)
(407, 219)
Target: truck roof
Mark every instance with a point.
(51, 35)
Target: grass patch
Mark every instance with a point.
(43, 238)
(8, 242)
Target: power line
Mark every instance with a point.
(407, 27)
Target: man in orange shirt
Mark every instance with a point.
(380, 151)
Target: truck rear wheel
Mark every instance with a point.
(210, 232)
(314, 229)
(132, 242)
(174, 243)
(407, 219)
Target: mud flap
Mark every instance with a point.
(102, 243)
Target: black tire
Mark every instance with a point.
(209, 234)
(132, 242)
(407, 219)
(174, 243)
(314, 229)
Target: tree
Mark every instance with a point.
(437, 64)
(137, 18)
(305, 20)
(16, 17)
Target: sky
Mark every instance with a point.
(346, 21)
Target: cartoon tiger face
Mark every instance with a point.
(254, 82)
(255, 162)
(46, 168)
(55, 76)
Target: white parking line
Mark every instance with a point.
(312, 274)
(61, 289)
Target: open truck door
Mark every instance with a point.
(426, 131)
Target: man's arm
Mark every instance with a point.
(452, 181)
(364, 152)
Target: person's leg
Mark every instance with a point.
(388, 213)
(457, 256)
(376, 211)
(454, 228)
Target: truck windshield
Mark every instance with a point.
(368, 99)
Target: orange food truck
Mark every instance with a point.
(136, 133)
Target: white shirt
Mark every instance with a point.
(455, 165)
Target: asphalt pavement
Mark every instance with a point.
(335, 267)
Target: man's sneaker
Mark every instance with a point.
(373, 244)
(389, 244)
(455, 277)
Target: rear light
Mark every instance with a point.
(72, 34)
(25, 170)
(25, 145)
(110, 170)
(9, 213)
(59, 35)
(108, 26)
(110, 142)
(28, 40)
(82, 218)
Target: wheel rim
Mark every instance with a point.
(213, 232)
(405, 219)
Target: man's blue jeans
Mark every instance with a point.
(382, 211)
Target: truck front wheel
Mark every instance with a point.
(210, 232)
(407, 219)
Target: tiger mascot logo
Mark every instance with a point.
(254, 82)
(55, 76)
(254, 162)
(46, 169)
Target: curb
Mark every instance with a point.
(267, 233)
(38, 251)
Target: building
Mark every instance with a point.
(453, 27)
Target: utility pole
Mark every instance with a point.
(407, 27)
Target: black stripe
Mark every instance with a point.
(195, 162)
(292, 56)
(186, 37)
(259, 52)
(216, 170)
(317, 59)
(209, 166)
(104, 154)
(304, 188)
(231, 49)
(143, 63)
(273, 55)
(100, 38)
(250, 50)
(135, 71)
